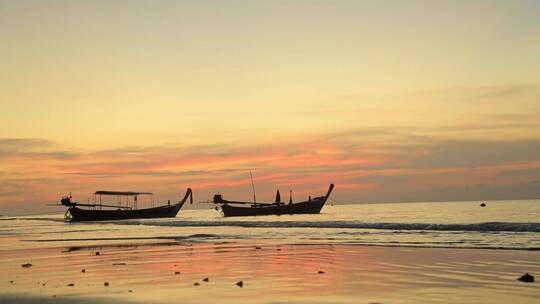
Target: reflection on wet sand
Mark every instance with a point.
(174, 271)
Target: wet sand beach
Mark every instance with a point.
(289, 273)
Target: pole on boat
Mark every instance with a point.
(253, 187)
(278, 197)
(290, 196)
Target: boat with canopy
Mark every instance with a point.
(126, 207)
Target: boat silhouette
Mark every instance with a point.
(238, 208)
(103, 212)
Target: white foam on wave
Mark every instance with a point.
(481, 227)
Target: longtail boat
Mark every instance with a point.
(97, 211)
(237, 208)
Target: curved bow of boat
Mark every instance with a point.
(330, 190)
(188, 193)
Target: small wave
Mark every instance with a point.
(45, 219)
(478, 227)
(203, 236)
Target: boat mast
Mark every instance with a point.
(253, 187)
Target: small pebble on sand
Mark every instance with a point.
(70, 284)
(196, 284)
(97, 252)
(106, 284)
(27, 265)
(205, 279)
(527, 278)
(177, 272)
(240, 283)
(83, 270)
(321, 272)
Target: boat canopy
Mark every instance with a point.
(102, 192)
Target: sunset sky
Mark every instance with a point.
(393, 101)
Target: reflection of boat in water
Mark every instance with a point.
(95, 211)
(233, 208)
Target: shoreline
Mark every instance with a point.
(176, 241)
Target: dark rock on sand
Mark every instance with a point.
(70, 284)
(83, 270)
(130, 290)
(205, 279)
(320, 272)
(257, 247)
(482, 204)
(527, 278)
(196, 284)
(106, 284)
(240, 283)
(177, 272)
(97, 252)
(27, 265)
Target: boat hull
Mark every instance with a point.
(79, 214)
(308, 207)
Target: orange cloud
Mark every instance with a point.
(42, 172)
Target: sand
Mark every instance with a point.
(271, 273)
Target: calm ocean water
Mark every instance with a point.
(500, 225)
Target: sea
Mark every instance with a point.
(499, 225)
